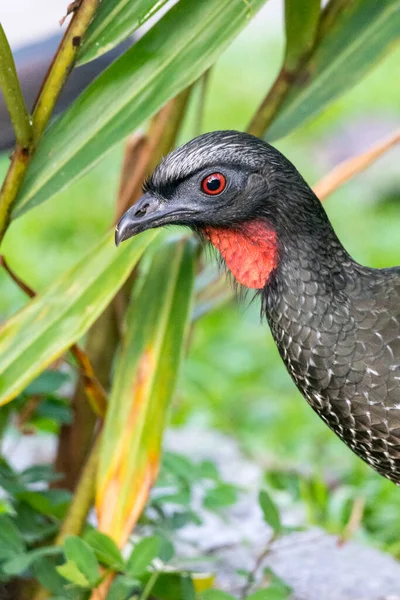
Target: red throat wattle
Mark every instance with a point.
(250, 252)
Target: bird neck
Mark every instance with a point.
(250, 251)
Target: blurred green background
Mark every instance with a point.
(233, 378)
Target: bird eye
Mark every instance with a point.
(213, 184)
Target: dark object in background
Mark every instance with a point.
(336, 323)
(32, 63)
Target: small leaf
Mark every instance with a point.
(166, 551)
(220, 496)
(71, 572)
(19, 564)
(142, 555)
(11, 542)
(45, 572)
(216, 595)
(187, 588)
(80, 553)
(270, 511)
(208, 470)
(180, 466)
(38, 473)
(51, 502)
(105, 549)
(122, 588)
(47, 383)
(271, 593)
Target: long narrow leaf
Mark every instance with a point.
(301, 22)
(51, 322)
(183, 44)
(115, 20)
(144, 382)
(362, 33)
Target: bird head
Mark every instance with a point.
(223, 185)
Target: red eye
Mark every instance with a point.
(213, 184)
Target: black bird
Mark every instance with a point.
(336, 323)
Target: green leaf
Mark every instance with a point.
(173, 54)
(105, 549)
(220, 496)
(54, 320)
(122, 588)
(114, 21)
(187, 587)
(270, 511)
(145, 378)
(11, 542)
(360, 34)
(71, 572)
(34, 526)
(180, 586)
(78, 552)
(51, 502)
(271, 593)
(301, 22)
(142, 555)
(19, 564)
(47, 383)
(45, 571)
(277, 589)
(180, 466)
(38, 473)
(216, 595)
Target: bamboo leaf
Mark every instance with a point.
(143, 385)
(114, 21)
(301, 22)
(181, 46)
(52, 321)
(360, 34)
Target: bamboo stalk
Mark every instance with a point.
(80, 506)
(48, 95)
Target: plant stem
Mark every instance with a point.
(203, 85)
(149, 586)
(354, 165)
(80, 504)
(14, 100)
(83, 497)
(50, 90)
(159, 140)
(269, 107)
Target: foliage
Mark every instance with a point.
(149, 292)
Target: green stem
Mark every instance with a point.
(14, 100)
(271, 104)
(83, 497)
(149, 586)
(81, 504)
(48, 95)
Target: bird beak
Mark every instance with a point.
(147, 213)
